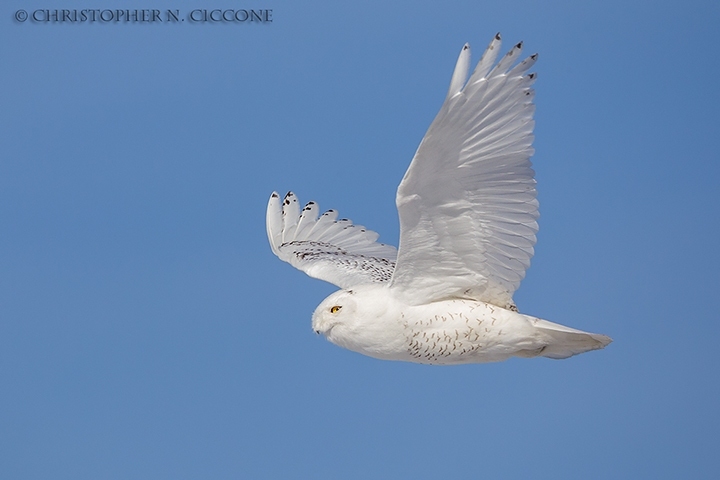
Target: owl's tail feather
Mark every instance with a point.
(564, 342)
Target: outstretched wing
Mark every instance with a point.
(326, 248)
(467, 203)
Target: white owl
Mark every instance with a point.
(468, 212)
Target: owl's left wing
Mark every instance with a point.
(467, 203)
(326, 248)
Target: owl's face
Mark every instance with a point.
(336, 310)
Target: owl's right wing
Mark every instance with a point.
(326, 248)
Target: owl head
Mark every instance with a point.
(337, 309)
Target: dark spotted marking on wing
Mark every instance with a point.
(380, 270)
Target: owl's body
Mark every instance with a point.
(369, 319)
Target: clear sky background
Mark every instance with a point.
(147, 331)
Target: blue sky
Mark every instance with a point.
(147, 331)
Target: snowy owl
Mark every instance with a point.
(468, 211)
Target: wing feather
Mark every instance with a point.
(487, 60)
(457, 82)
(326, 248)
(290, 213)
(308, 218)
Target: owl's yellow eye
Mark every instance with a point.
(335, 309)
